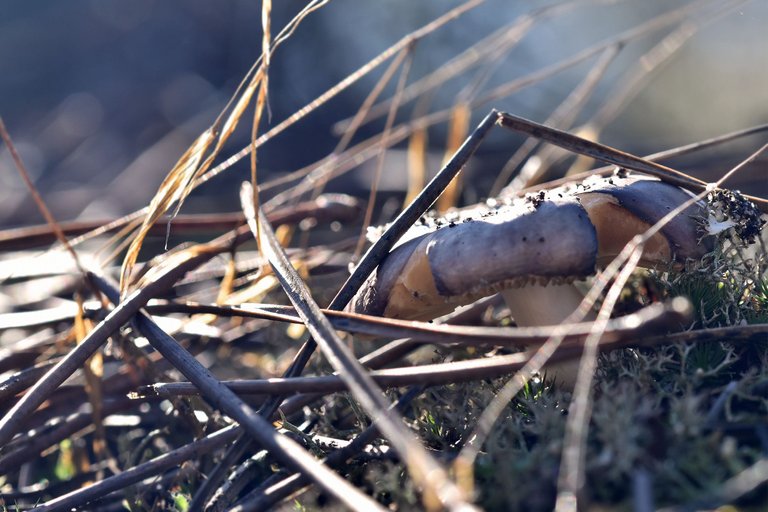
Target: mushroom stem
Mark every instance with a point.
(538, 305)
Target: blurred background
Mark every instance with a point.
(102, 97)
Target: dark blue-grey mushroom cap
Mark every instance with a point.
(548, 238)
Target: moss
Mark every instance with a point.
(686, 414)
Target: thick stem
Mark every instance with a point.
(537, 305)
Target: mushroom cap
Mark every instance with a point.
(483, 253)
(551, 237)
(621, 208)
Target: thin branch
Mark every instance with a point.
(638, 326)
(264, 500)
(425, 332)
(655, 157)
(562, 117)
(37, 197)
(153, 467)
(423, 468)
(610, 155)
(219, 396)
(401, 224)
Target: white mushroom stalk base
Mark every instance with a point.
(539, 305)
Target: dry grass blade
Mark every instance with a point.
(262, 79)
(171, 190)
(180, 181)
(408, 60)
(439, 491)
(417, 163)
(94, 373)
(372, 64)
(458, 129)
(562, 117)
(197, 160)
(36, 196)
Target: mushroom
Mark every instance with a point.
(531, 249)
